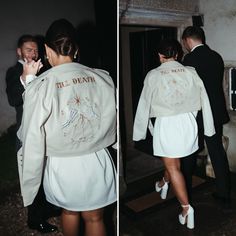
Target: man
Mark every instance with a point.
(27, 50)
(210, 67)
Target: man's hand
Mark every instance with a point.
(31, 68)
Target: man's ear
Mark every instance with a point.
(190, 42)
(18, 51)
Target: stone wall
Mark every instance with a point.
(161, 13)
(173, 5)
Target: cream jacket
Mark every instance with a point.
(168, 90)
(69, 110)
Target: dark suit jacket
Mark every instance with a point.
(15, 89)
(210, 67)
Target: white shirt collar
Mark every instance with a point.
(197, 46)
(21, 61)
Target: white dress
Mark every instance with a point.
(175, 136)
(81, 183)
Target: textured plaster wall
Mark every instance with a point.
(20, 17)
(219, 26)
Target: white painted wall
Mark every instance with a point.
(220, 30)
(219, 26)
(32, 17)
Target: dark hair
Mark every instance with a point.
(26, 38)
(61, 37)
(168, 48)
(194, 32)
(180, 51)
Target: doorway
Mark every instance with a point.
(143, 57)
(138, 55)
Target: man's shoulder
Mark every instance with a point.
(216, 54)
(205, 49)
(211, 56)
(202, 54)
(13, 74)
(18, 67)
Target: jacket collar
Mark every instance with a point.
(199, 45)
(170, 64)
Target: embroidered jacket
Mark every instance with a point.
(69, 110)
(171, 89)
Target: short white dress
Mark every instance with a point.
(175, 136)
(81, 183)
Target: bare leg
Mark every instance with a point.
(166, 178)
(94, 225)
(172, 166)
(70, 222)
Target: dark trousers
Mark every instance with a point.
(219, 162)
(188, 165)
(40, 209)
(19, 112)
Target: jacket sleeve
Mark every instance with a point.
(208, 122)
(32, 135)
(142, 114)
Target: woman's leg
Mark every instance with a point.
(166, 178)
(172, 166)
(70, 222)
(94, 225)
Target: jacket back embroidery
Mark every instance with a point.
(80, 119)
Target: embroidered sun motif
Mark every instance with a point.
(77, 99)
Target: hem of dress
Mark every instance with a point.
(85, 209)
(175, 156)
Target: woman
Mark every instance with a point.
(173, 94)
(70, 117)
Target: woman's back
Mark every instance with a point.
(77, 107)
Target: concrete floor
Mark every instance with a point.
(162, 218)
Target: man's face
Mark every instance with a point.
(28, 51)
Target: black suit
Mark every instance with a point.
(210, 67)
(14, 92)
(39, 210)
